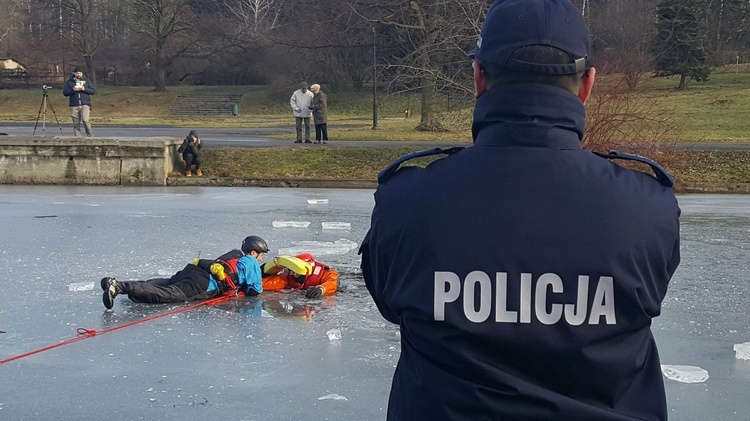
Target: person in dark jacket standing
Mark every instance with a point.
(319, 107)
(79, 89)
(190, 150)
(203, 279)
(525, 271)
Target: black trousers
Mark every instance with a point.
(191, 160)
(188, 284)
(321, 132)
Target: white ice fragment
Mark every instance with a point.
(290, 224)
(742, 351)
(317, 201)
(337, 225)
(319, 248)
(334, 334)
(334, 397)
(81, 286)
(684, 373)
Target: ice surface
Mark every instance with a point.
(291, 224)
(334, 335)
(336, 225)
(684, 373)
(742, 351)
(209, 360)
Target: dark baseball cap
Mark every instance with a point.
(514, 24)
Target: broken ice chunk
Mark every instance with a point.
(742, 351)
(684, 373)
(81, 286)
(334, 397)
(337, 225)
(334, 334)
(291, 224)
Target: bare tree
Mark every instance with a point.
(431, 39)
(9, 9)
(256, 16)
(622, 32)
(167, 26)
(76, 23)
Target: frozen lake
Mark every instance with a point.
(272, 358)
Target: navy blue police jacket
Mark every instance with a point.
(524, 271)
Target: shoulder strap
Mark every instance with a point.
(662, 176)
(391, 169)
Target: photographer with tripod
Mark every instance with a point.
(79, 90)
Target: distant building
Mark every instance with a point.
(10, 64)
(12, 72)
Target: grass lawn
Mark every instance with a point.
(713, 111)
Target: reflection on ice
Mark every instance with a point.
(319, 248)
(684, 373)
(317, 201)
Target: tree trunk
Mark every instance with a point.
(683, 82)
(428, 122)
(91, 70)
(160, 73)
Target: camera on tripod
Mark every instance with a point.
(45, 88)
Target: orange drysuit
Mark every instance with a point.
(321, 275)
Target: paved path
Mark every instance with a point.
(258, 137)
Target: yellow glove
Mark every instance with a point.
(217, 270)
(195, 261)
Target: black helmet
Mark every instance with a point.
(254, 243)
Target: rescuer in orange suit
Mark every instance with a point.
(321, 281)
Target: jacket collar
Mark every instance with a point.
(529, 114)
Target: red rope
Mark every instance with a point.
(87, 333)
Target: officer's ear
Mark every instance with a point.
(480, 79)
(587, 84)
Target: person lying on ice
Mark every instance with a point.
(235, 271)
(300, 272)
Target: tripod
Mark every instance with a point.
(43, 112)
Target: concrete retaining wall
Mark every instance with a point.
(70, 160)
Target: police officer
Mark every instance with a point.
(524, 271)
(235, 271)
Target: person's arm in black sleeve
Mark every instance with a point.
(205, 264)
(373, 272)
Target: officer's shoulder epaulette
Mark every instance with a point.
(391, 169)
(662, 176)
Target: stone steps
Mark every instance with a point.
(199, 105)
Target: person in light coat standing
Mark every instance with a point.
(300, 102)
